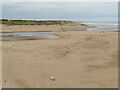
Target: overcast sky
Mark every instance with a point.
(60, 10)
(60, 0)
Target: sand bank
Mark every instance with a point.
(43, 28)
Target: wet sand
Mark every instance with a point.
(76, 60)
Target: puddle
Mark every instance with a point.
(27, 36)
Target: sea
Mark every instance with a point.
(102, 25)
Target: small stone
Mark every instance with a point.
(52, 78)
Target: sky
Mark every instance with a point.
(61, 10)
(60, 0)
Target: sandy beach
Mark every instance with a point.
(59, 44)
(85, 59)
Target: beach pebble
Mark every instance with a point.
(52, 78)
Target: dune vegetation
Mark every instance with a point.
(34, 22)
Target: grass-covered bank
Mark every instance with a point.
(41, 26)
(33, 22)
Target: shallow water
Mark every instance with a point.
(27, 36)
(35, 34)
(103, 26)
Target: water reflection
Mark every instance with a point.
(27, 36)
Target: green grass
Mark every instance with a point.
(30, 39)
(33, 22)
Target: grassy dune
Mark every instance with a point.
(40, 26)
(33, 22)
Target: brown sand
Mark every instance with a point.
(76, 60)
(0, 63)
(43, 28)
(0, 59)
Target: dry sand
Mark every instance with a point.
(43, 28)
(76, 60)
(0, 65)
(0, 60)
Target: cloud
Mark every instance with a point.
(47, 10)
(61, 1)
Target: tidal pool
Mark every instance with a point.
(27, 36)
